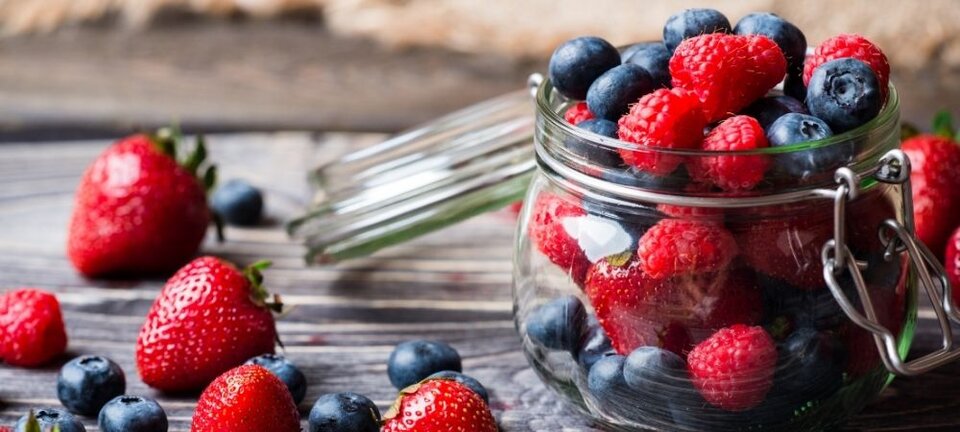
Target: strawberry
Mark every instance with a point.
(137, 210)
(849, 46)
(727, 72)
(675, 246)
(733, 369)
(31, 328)
(577, 113)
(732, 173)
(936, 187)
(951, 263)
(246, 399)
(666, 118)
(551, 237)
(208, 318)
(439, 405)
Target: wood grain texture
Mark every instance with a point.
(452, 286)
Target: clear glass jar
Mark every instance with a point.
(660, 261)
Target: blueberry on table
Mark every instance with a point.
(558, 323)
(767, 110)
(238, 203)
(50, 417)
(795, 128)
(652, 56)
(412, 361)
(338, 412)
(655, 371)
(576, 63)
(86, 383)
(291, 376)
(595, 153)
(594, 346)
(466, 380)
(612, 93)
(845, 93)
(786, 35)
(693, 22)
(132, 413)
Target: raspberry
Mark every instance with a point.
(673, 247)
(667, 118)
(852, 46)
(733, 369)
(31, 326)
(551, 237)
(577, 113)
(727, 72)
(732, 173)
(713, 214)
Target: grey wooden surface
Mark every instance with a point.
(452, 286)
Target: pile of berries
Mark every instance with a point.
(709, 317)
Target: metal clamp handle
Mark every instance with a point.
(893, 168)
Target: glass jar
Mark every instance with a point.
(623, 280)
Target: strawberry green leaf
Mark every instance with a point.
(196, 158)
(210, 177)
(32, 424)
(218, 225)
(254, 274)
(943, 124)
(166, 141)
(908, 131)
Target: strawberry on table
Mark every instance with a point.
(439, 405)
(138, 210)
(208, 318)
(248, 398)
(32, 332)
(935, 183)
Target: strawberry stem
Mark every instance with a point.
(32, 425)
(254, 273)
(943, 125)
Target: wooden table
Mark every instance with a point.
(452, 286)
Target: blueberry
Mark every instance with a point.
(811, 364)
(340, 412)
(412, 361)
(612, 93)
(652, 56)
(595, 153)
(655, 371)
(844, 93)
(787, 307)
(466, 380)
(767, 110)
(606, 383)
(238, 203)
(693, 22)
(787, 36)
(594, 345)
(50, 417)
(86, 383)
(558, 323)
(793, 86)
(634, 177)
(132, 413)
(795, 128)
(280, 366)
(578, 62)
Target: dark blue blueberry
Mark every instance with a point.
(787, 307)
(787, 36)
(652, 56)
(793, 86)
(795, 128)
(596, 153)
(86, 383)
(810, 365)
(655, 372)
(558, 323)
(341, 412)
(693, 22)
(634, 177)
(578, 62)
(412, 361)
(280, 366)
(466, 380)
(767, 110)
(612, 93)
(238, 203)
(607, 384)
(50, 417)
(844, 93)
(132, 413)
(594, 345)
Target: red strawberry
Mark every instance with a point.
(951, 262)
(733, 369)
(137, 210)
(852, 46)
(732, 173)
(727, 72)
(674, 246)
(551, 237)
(31, 328)
(577, 113)
(935, 185)
(439, 405)
(208, 318)
(667, 119)
(246, 399)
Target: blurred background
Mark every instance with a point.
(97, 68)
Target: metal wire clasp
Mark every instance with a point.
(893, 168)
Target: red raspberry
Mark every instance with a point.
(667, 118)
(683, 212)
(727, 72)
(551, 237)
(732, 173)
(31, 328)
(733, 369)
(577, 113)
(674, 246)
(853, 46)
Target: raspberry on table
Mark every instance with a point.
(674, 246)
(665, 118)
(733, 369)
(577, 113)
(849, 46)
(732, 173)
